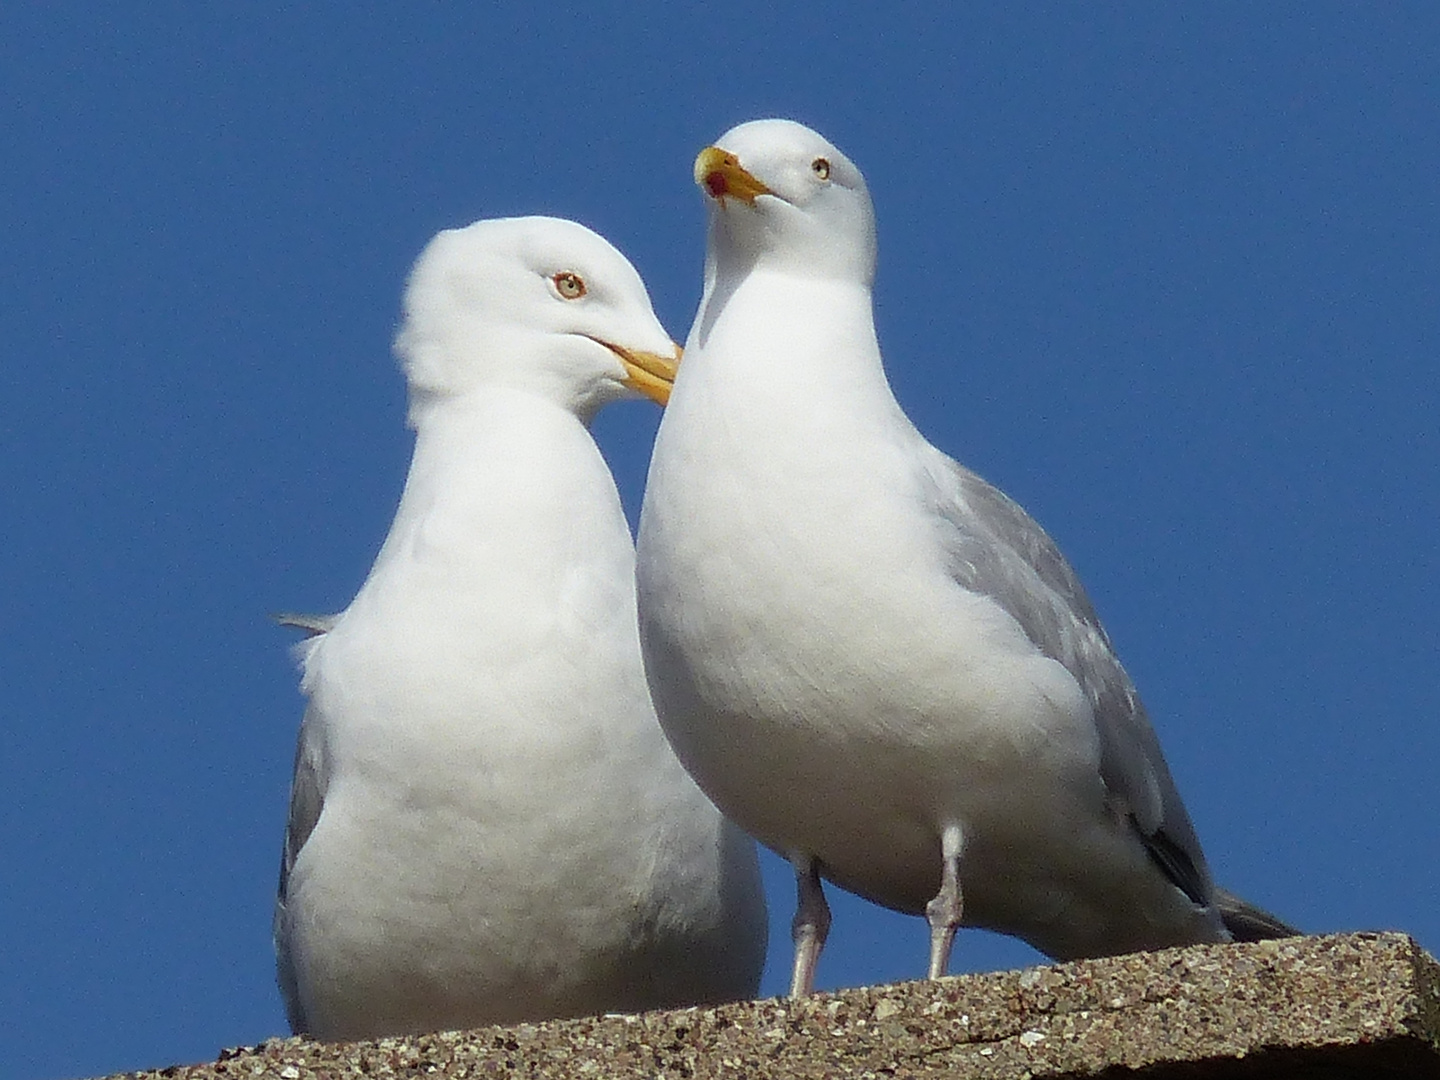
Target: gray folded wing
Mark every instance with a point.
(996, 549)
(307, 799)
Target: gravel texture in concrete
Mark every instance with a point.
(1349, 1005)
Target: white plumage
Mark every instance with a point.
(872, 660)
(487, 824)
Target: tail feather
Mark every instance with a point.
(1246, 922)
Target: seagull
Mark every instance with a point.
(872, 660)
(486, 822)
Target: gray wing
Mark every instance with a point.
(998, 550)
(307, 787)
(307, 799)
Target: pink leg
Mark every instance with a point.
(944, 912)
(811, 924)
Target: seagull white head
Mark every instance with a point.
(534, 303)
(782, 195)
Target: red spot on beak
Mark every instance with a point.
(715, 182)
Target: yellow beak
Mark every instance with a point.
(720, 174)
(650, 373)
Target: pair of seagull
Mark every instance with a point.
(871, 660)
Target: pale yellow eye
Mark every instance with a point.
(570, 286)
(821, 168)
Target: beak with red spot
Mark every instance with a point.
(721, 174)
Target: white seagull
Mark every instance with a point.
(487, 824)
(872, 660)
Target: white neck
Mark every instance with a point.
(777, 354)
(498, 479)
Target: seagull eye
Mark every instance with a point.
(568, 285)
(821, 168)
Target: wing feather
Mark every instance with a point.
(998, 550)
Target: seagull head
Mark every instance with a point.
(782, 195)
(533, 303)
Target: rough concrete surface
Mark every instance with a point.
(1351, 1005)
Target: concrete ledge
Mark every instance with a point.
(1352, 1005)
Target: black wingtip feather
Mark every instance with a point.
(1246, 922)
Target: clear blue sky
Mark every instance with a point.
(1167, 276)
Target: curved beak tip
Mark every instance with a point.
(721, 174)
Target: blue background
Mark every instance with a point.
(1166, 274)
